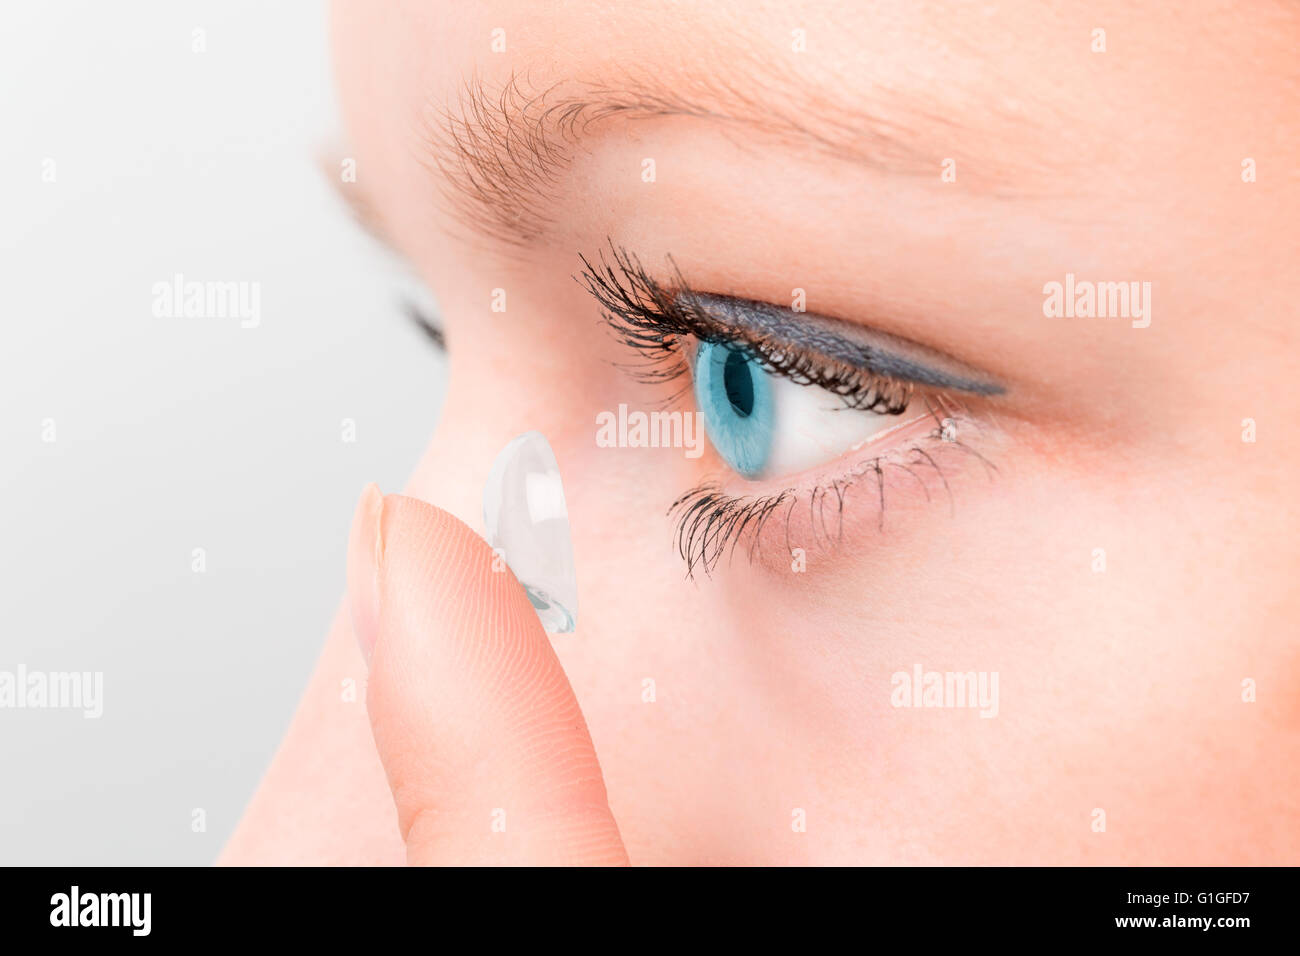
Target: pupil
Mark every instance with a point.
(740, 387)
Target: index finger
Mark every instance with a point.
(484, 744)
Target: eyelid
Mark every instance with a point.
(857, 346)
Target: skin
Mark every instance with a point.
(1121, 689)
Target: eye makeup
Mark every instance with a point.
(858, 347)
(734, 350)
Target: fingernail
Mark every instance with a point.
(365, 548)
(527, 523)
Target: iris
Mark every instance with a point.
(734, 394)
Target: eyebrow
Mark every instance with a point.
(365, 214)
(501, 155)
(367, 218)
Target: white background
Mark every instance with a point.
(176, 434)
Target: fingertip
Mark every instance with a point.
(470, 709)
(365, 555)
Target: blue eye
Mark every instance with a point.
(735, 396)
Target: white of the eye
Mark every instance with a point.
(810, 427)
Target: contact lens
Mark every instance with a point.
(527, 523)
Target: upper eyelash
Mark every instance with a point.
(429, 326)
(653, 318)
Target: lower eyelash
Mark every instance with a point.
(711, 523)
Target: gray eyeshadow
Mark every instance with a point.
(845, 342)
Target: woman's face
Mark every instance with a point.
(1087, 507)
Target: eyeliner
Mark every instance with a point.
(877, 353)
